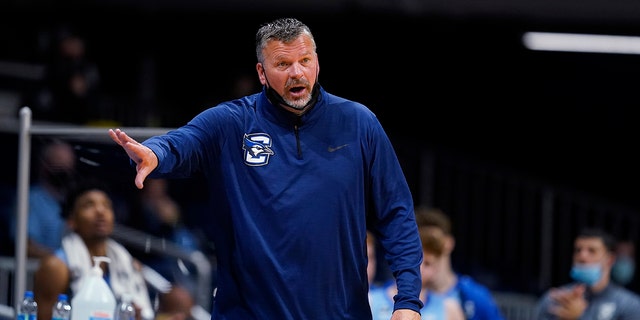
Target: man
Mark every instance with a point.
(592, 295)
(436, 306)
(88, 211)
(56, 173)
(625, 265)
(438, 275)
(296, 176)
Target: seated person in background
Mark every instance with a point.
(592, 295)
(381, 295)
(89, 214)
(161, 216)
(442, 281)
(625, 266)
(56, 172)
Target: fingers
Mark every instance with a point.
(120, 137)
(578, 290)
(562, 296)
(143, 172)
(144, 158)
(115, 136)
(568, 303)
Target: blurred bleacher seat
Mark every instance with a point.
(515, 306)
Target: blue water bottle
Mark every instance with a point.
(125, 309)
(62, 308)
(28, 308)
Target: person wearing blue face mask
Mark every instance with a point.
(592, 295)
(624, 268)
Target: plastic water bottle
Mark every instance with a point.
(28, 307)
(62, 308)
(125, 309)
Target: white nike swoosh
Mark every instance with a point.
(332, 149)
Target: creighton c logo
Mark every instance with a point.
(256, 149)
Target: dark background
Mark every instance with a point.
(451, 74)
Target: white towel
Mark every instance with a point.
(124, 277)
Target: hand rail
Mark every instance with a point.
(140, 240)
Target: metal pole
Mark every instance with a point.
(22, 212)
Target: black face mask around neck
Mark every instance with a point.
(275, 98)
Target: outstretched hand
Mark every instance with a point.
(569, 303)
(146, 161)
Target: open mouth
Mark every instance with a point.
(296, 89)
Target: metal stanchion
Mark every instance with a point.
(24, 154)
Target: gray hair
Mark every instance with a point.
(283, 29)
